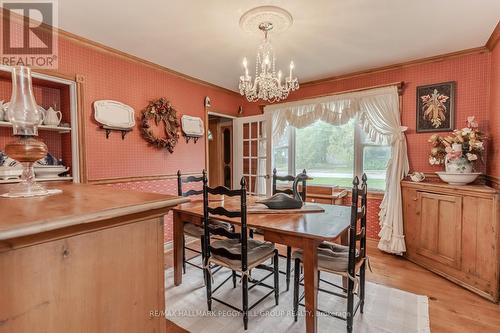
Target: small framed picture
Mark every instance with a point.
(436, 107)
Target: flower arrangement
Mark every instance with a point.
(467, 142)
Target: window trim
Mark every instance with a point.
(359, 146)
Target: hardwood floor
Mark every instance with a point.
(452, 308)
(173, 328)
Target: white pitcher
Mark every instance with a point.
(52, 117)
(2, 112)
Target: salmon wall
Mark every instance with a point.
(494, 144)
(109, 75)
(471, 73)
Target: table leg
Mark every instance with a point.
(310, 263)
(178, 245)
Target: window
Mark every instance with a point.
(280, 153)
(332, 155)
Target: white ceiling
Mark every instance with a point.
(202, 38)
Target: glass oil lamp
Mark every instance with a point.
(25, 116)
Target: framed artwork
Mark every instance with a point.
(436, 107)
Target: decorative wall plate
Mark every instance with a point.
(114, 114)
(192, 126)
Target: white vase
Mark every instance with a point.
(460, 164)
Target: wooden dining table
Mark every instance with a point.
(298, 230)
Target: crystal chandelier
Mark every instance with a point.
(267, 85)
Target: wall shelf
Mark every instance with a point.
(50, 90)
(59, 129)
(110, 129)
(47, 179)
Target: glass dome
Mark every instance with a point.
(23, 111)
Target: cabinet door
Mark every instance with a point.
(102, 281)
(440, 228)
(411, 220)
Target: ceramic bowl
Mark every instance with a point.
(49, 171)
(458, 178)
(10, 172)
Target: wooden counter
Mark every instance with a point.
(87, 260)
(454, 231)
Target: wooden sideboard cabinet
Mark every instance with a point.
(454, 231)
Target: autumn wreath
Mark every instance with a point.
(161, 111)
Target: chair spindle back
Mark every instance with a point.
(221, 211)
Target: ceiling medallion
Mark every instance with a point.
(268, 84)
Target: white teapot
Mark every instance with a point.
(2, 111)
(52, 117)
(417, 176)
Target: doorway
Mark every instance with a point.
(220, 150)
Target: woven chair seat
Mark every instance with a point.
(197, 231)
(258, 252)
(331, 257)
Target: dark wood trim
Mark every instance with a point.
(105, 181)
(494, 38)
(442, 57)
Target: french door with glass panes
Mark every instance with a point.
(250, 146)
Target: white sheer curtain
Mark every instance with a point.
(378, 113)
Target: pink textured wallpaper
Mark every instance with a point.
(494, 144)
(471, 73)
(110, 76)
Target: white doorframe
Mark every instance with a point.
(238, 140)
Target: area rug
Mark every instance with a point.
(386, 309)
